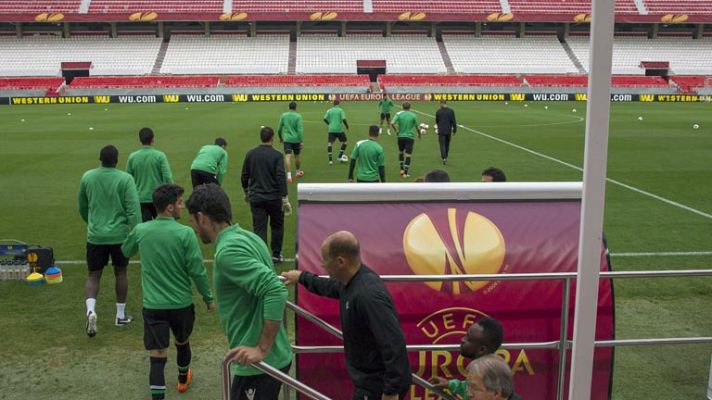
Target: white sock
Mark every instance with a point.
(289, 175)
(120, 310)
(91, 304)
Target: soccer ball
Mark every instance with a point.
(423, 128)
(695, 126)
(344, 158)
(640, 118)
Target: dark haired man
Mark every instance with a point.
(407, 123)
(210, 165)
(493, 174)
(170, 259)
(376, 356)
(250, 297)
(149, 168)
(266, 191)
(437, 175)
(108, 203)
(334, 118)
(446, 126)
(291, 133)
(483, 337)
(369, 156)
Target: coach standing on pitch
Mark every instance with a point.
(210, 165)
(250, 298)
(266, 190)
(149, 168)
(170, 258)
(108, 203)
(334, 118)
(369, 155)
(447, 126)
(376, 356)
(291, 133)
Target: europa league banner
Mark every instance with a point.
(444, 229)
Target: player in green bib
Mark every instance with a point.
(369, 156)
(149, 168)
(250, 297)
(407, 123)
(385, 106)
(291, 133)
(334, 118)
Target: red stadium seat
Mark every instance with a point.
(386, 81)
(296, 80)
(31, 83)
(116, 82)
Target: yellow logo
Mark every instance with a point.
(145, 16)
(323, 16)
(49, 17)
(517, 96)
(171, 98)
(236, 16)
(500, 17)
(452, 246)
(102, 99)
(32, 257)
(582, 18)
(673, 18)
(647, 97)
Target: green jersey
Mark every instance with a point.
(334, 117)
(248, 292)
(170, 258)
(211, 159)
(108, 203)
(407, 124)
(368, 155)
(385, 105)
(291, 127)
(458, 387)
(149, 168)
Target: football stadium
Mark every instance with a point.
(534, 219)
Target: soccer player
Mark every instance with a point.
(384, 106)
(334, 118)
(369, 155)
(210, 165)
(170, 258)
(266, 191)
(447, 126)
(407, 123)
(108, 203)
(149, 168)
(493, 174)
(250, 297)
(291, 133)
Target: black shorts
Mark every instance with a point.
(98, 256)
(256, 387)
(158, 325)
(337, 135)
(290, 148)
(406, 144)
(148, 212)
(385, 116)
(198, 177)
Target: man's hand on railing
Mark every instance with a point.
(439, 382)
(246, 355)
(292, 277)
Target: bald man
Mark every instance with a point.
(376, 357)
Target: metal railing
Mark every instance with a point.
(562, 345)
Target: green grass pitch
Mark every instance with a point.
(45, 353)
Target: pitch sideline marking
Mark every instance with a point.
(536, 153)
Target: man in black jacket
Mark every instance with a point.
(265, 184)
(446, 127)
(376, 356)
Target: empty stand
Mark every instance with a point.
(39, 6)
(310, 6)
(565, 6)
(507, 54)
(42, 56)
(114, 82)
(319, 54)
(691, 83)
(296, 80)
(438, 6)
(159, 6)
(679, 6)
(582, 81)
(31, 83)
(227, 54)
(686, 56)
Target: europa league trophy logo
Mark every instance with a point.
(460, 243)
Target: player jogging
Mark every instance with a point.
(334, 117)
(291, 133)
(369, 155)
(385, 106)
(407, 123)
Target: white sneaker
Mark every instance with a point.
(91, 324)
(380, 130)
(389, 132)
